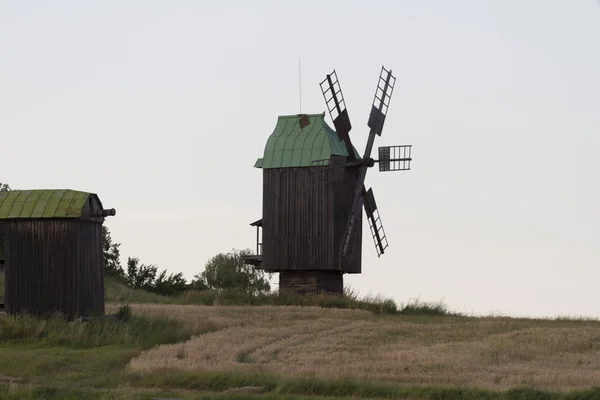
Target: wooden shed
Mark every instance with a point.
(52, 252)
(306, 206)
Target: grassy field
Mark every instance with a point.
(172, 350)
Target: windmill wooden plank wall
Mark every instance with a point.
(53, 259)
(305, 207)
(304, 215)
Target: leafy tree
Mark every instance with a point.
(173, 284)
(140, 276)
(148, 278)
(229, 272)
(4, 187)
(198, 283)
(112, 254)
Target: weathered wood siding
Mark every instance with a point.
(344, 197)
(52, 266)
(305, 211)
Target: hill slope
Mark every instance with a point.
(296, 342)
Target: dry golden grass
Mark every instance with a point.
(489, 353)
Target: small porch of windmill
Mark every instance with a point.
(297, 281)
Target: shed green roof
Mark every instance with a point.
(296, 144)
(42, 203)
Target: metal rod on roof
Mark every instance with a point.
(300, 82)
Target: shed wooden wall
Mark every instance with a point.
(53, 265)
(304, 216)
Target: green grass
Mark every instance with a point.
(116, 292)
(119, 293)
(104, 381)
(131, 331)
(57, 359)
(54, 358)
(315, 388)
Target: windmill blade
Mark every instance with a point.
(395, 158)
(379, 110)
(375, 225)
(348, 240)
(336, 105)
(381, 102)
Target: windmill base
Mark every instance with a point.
(311, 282)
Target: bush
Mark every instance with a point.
(418, 307)
(241, 298)
(117, 291)
(227, 271)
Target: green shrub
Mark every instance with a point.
(124, 313)
(116, 291)
(418, 307)
(120, 293)
(240, 298)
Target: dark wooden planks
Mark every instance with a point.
(344, 192)
(304, 214)
(53, 266)
(311, 282)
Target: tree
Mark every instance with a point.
(198, 283)
(140, 276)
(4, 187)
(112, 254)
(146, 277)
(229, 272)
(171, 285)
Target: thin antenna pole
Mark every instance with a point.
(300, 82)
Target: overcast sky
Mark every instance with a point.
(162, 108)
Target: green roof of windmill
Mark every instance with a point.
(42, 203)
(298, 140)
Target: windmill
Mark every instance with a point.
(314, 193)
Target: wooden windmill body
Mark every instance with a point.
(313, 194)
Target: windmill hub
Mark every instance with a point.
(368, 162)
(314, 193)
